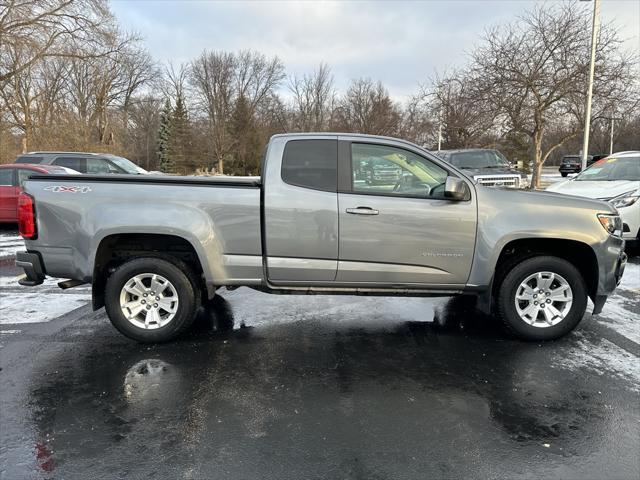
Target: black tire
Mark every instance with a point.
(176, 272)
(564, 174)
(507, 293)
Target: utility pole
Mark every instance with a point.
(587, 117)
(440, 130)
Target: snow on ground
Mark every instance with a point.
(17, 308)
(31, 304)
(622, 310)
(631, 278)
(601, 358)
(10, 244)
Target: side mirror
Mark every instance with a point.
(455, 188)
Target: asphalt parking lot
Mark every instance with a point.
(315, 387)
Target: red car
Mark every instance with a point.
(12, 177)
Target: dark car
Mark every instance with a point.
(573, 163)
(12, 177)
(486, 166)
(83, 162)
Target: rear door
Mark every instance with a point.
(300, 210)
(401, 231)
(8, 195)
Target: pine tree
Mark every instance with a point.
(164, 137)
(180, 140)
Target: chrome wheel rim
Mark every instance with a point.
(149, 301)
(543, 299)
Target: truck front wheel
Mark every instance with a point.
(542, 298)
(152, 299)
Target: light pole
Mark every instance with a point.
(612, 119)
(587, 116)
(440, 132)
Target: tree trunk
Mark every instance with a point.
(537, 157)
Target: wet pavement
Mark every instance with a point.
(321, 387)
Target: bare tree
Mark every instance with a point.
(532, 75)
(212, 77)
(313, 99)
(367, 108)
(230, 88)
(418, 124)
(42, 29)
(463, 120)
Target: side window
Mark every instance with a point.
(23, 175)
(6, 177)
(311, 164)
(28, 159)
(100, 165)
(75, 163)
(380, 169)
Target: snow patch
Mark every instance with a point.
(18, 308)
(616, 315)
(631, 278)
(10, 245)
(603, 358)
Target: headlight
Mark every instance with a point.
(611, 223)
(626, 199)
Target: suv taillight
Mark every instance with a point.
(27, 216)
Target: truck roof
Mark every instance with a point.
(52, 152)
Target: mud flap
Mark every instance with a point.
(598, 303)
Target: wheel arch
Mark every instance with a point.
(116, 248)
(579, 254)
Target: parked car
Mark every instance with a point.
(573, 163)
(156, 247)
(380, 171)
(83, 162)
(615, 179)
(486, 166)
(12, 178)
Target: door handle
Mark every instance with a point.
(362, 211)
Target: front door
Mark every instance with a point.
(396, 226)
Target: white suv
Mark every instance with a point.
(615, 179)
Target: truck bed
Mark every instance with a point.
(219, 216)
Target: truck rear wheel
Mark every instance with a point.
(542, 298)
(152, 299)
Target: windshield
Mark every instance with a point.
(479, 159)
(126, 165)
(612, 169)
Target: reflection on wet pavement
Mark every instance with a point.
(318, 387)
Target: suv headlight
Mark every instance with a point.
(626, 199)
(612, 223)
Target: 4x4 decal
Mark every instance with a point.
(68, 189)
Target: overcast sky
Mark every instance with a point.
(400, 43)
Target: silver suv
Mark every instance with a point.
(83, 162)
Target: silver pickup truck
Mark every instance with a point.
(156, 248)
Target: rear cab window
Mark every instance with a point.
(311, 164)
